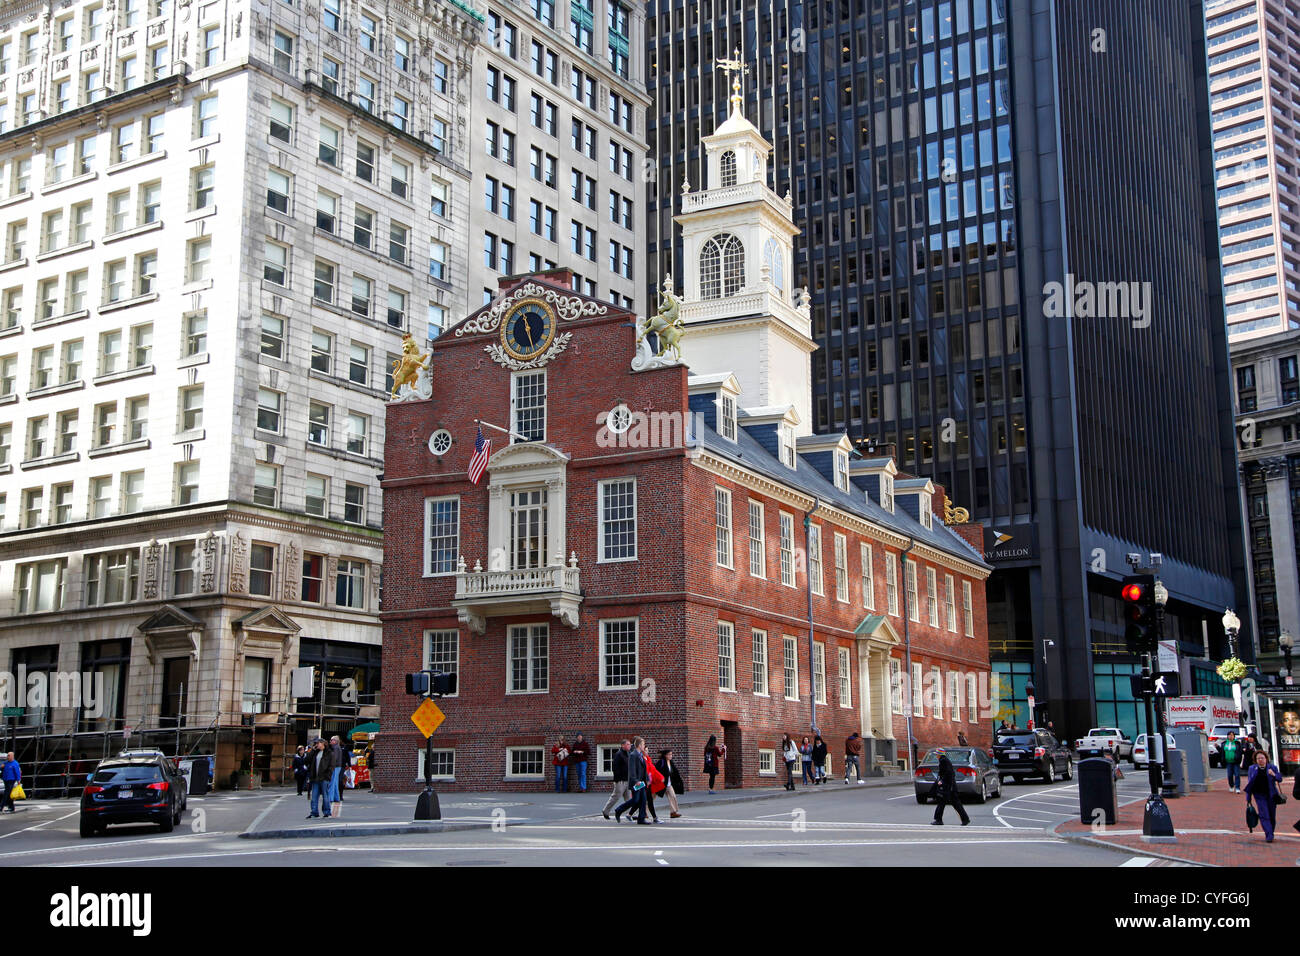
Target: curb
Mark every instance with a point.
(399, 829)
(1081, 840)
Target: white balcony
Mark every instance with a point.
(555, 589)
(728, 195)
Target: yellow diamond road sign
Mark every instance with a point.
(428, 717)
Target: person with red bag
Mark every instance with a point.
(657, 784)
(560, 760)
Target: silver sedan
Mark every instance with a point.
(977, 778)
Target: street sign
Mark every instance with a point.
(13, 712)
(1168, 656)
(428, 717)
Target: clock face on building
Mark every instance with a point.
(528, 329)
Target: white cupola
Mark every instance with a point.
(741, 311)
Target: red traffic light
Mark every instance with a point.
(1133, 592)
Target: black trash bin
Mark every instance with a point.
(199, 776)
(1096, 790)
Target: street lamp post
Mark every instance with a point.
(1157, 825)
(1286, 642)
(1231, 627)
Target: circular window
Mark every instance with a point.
(440, 441)
(619, 419)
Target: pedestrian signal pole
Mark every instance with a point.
(427, 717)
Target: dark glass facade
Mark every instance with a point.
(948, 159)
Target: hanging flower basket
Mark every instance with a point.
(1231, 670)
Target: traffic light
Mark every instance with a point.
(430, 683)
(1138, 592)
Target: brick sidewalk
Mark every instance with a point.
(1211, 830)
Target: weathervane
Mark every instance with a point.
(737, 66)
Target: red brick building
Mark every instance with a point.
(641, 553)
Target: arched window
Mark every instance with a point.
(775, 262)
(728, 167)
(722, 267)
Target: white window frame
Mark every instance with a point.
(428, 513)
(913, 596)
(937, 692)
(758, 662)
(972, 698)
(819, 671)
(950, 603)
(515, 379)
(815, 558)
(601, 492)
(789, 665)
(891, 582)
(510, 751)
(788, 576)
(932, 597)
(722, 528)
(420, 758)
(531, 638)
(868, 577)
(426, 655)
(636, 652)
(844, 661)
(757, 543)
(766, 758)
(918, 690)
(841, 567)
(727, 654)
(967, 608)
(956, 686)
(896, 695)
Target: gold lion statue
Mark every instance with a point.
(406, 370)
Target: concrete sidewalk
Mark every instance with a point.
(386, 814)
(1211, 831)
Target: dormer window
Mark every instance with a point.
(787, 445)
(842, 470)
(887, 493)
(727, 417)
(927, 516)
(727, 168)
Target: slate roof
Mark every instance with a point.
(748, 453)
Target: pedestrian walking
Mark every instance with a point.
(638, 778)
(1261, 786)
(10, 776)
(819, 754)
(301, 774)
(672, 780)
(790, 754)
(619, 766)
(578, 758)
(336, 767)
(347, 775)
(1248, 748)
(560, 759)
(656, 784)
(320, 765)
(805, 760)
(713, 757)
(945, 792)
(853, 756)
(1231, 752)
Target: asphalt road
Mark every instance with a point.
(845, 827)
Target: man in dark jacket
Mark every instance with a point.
(301, 775)
(638, 780)
(853, 756)
(619, 767)
(946, 792)
(672, 780)
(320, 763)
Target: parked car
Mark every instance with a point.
(1218, 734)
(1031, 753)
(1140, 757)
(1100, 741)
(132, 790)
(977, 778)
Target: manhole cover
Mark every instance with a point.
(476, 862)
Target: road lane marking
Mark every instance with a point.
(37, 826)
(1139, 861)
(552, 847)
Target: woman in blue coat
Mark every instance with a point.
(1261, 786)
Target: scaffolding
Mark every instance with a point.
(246, 749)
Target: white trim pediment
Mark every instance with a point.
(526, 455)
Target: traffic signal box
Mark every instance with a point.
(1138, 592)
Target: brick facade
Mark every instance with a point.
(675, 589)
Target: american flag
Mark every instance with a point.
(482, 451)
